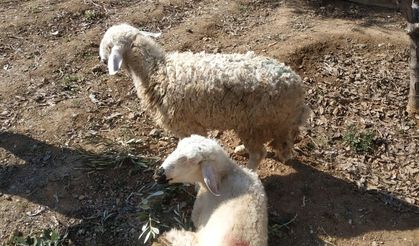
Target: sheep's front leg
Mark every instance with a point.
(282, 149)
(283, 144)
(256, 154)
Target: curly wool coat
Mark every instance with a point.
(186, 93)
(231, 205)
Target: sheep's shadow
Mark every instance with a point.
(328, 207)
(39, 172)
(54, 177)
(47, 175)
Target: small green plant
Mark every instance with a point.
(151, 199)
(243, 7)
(358, 141)
(277, 229)
(181, 217)
(90, 15)
(149, 230)
(156, 206)
(70, 79)
(48, 237)
(150, 205)
(69, 83)
(114, 159)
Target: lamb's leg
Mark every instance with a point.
(176, 237)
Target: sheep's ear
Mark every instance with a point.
(211, 178)
(115, 60)
(151, 34)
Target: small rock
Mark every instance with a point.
(215, 134)
(93, 98)
(240, 150)
(81, 197)
(374, 243)
(155, 133)
(162, 143)
(80, 232)
(131, 115)
(7, 67)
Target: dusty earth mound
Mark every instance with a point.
(77, 151)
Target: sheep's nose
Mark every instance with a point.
(104, 60)
(160, 177)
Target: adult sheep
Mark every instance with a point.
(187, 93)
(231, 205)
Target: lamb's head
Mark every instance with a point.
(195, 159)
(116, 41)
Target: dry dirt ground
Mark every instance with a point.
(77, 151)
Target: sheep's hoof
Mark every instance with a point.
(240, 150)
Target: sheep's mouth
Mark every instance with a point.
(162, 180)
(160, 177)
(103, 60)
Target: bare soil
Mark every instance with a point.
(77, 151)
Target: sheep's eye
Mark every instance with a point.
(182, 160)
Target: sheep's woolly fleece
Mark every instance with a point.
(238, 216)
(225, 91)
(187, 93)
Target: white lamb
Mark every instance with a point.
(187, 93)
(231, 205)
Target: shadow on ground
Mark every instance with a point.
(346, 10)
(325, 206)
(104, 202)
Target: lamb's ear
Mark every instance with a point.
(151, 34)
(211, 179)
(115, 60)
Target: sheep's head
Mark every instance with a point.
(195, 159)
(116, 41)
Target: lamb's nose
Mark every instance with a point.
(159, 176)
(104, 61)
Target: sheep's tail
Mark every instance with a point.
(176, 237)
